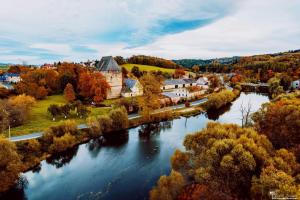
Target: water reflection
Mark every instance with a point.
(114, 139)
(122, 165)
(62, 159)
(215, 114)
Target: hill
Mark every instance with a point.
(189, 63)
(147, 68)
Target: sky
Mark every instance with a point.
(37, 32)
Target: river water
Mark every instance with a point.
(127, 164)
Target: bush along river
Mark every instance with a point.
(124, 165)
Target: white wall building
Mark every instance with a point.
(132, 88)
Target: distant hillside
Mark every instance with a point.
(148, 60)
(189, 63)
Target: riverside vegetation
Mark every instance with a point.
(226, 161)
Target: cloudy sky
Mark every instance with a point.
(39, 31)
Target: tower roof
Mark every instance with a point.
(108, 63)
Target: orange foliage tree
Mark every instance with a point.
(69, 93)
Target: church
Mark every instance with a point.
(113, 74)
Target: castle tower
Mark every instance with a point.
(113, 74)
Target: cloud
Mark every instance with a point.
(76, 30)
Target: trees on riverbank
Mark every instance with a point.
(222, 98)
(10, 164)
(234, 161)
(279, 120)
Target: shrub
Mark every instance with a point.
(62, 143)
(119, 118)
(105, 123)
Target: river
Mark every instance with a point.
(127, 164)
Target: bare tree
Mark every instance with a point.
(246, 112)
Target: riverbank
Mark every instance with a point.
(127, 163)
(32, 160)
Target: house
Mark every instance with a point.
(113, 75)
(10, 77)
(202, 81)
(172, 97)
(295, 84)
(132, 88)
(190, 92)
(170, 84)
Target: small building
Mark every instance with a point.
(10, 78)
(170, 84)
(172, 97)
(132, 88)
(295, 84)
(202, 81)
(190, 92)
(113, 75)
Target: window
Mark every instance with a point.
(176, 86)
(191, 84)
(164, 88)
(183, 85)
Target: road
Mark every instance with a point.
(84, 126)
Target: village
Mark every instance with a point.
(173, 90)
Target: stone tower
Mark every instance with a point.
(113, 74)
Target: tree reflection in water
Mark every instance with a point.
(149, 145)
(113, 139)
(147, 130)
(17, 192)
(62, 159)
(215, 114)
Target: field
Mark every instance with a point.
(4, 67)
(147, 68)
(40, 119)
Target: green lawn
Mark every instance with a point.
(4, 67)
(40, 119)
(147, 68)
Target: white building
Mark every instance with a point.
(296, 84)
(202, 81)
(190, 92)
(171, 84)
(132, 88)
(11, 78)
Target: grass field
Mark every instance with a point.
(147, 68)
(4, 67)
(40, 119)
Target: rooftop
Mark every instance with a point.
(108, 63)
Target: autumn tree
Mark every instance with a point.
(54, 110)
(119, 118)
(217, 100)
(196, 68)
(93, 86)
(275, 88)
(10, 164)
(100, 87)
(279, 120)
(179, 73)
(69, 93)
(62, 143)
(136, 71)
(229, 159)
(150, 100)
(4, 117)
(168, 187)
